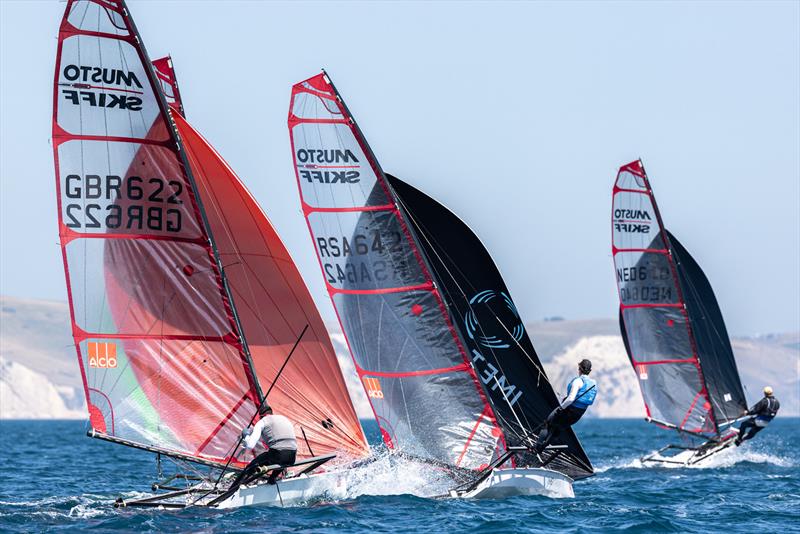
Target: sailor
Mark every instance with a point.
(763, 412)
(581, 393)
(277, 432)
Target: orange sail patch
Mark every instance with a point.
(102, 354)
(373, 387)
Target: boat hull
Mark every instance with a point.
(504, 483)
(290, 492)
(689, 456)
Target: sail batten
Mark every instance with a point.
(673, 332)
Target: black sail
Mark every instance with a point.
(483, 311)
(713, 344)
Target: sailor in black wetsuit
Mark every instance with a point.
(581, 392)
(764, 411)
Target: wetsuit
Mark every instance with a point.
(278, 433)
(764, 411)
(581, 393)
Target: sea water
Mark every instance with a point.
(55, 478)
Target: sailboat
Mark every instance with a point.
(187, 311)
(436, 339)
(672, 327)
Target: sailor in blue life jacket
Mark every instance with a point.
(763, 412)
(581, 393)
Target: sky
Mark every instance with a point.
(514, 115)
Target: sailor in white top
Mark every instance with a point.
(277, 433)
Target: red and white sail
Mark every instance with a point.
(162, 349)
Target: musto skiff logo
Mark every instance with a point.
(632, 221)
(492, 322)
(90, 83)
(332, 166)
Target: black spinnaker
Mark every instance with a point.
(501, 351)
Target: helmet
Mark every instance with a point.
(585, 367)
(767, 391)
(264, 409)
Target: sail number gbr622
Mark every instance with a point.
(133, 204)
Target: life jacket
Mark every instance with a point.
(586, 394)
(768, 414)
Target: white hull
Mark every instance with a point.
(504, 483)
(688, 457)
(293, 491)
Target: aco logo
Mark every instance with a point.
(102, 355)
(493, 321)
(373, 387)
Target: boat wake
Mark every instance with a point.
(390, 474)
(54, 508)
(722, 460)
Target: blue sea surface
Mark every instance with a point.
(55, 478)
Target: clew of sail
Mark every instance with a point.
(162, 357)
(669, 319)
(415, 370)
(495, 336)
(165, 72)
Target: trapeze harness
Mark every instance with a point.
(768, 413)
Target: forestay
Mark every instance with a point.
(161, 354)
(669, 318)
(426, 397)
(490, 325)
